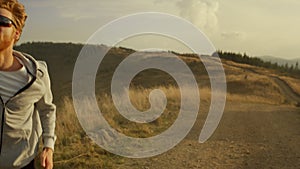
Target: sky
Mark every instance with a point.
(255, 27)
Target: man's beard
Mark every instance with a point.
(6, 41)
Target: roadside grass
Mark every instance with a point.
(75, 150)
(293, 83)
(253, 88)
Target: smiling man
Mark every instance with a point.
(26, 108)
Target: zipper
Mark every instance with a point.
(2, 124)
(20, 91)
(3, 109)
(24, 88)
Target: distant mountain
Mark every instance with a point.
(280, 61)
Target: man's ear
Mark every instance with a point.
(17, 35)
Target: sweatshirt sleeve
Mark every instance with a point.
(47, 111)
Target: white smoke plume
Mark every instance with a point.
(202, 13)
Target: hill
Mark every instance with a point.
(259, 127)
(61, 58)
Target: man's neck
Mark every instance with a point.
(7, 61)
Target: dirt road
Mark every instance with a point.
(286, 90)
(290, 95)
(249, 136)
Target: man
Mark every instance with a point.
(26, 108)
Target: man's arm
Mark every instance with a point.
(47, 112)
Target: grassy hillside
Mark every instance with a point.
(61, 58)
(75, 150)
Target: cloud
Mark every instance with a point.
(202, 13)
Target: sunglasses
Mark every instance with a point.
(6, 22)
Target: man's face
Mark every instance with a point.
(8, 34)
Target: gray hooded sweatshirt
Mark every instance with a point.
(26, 116)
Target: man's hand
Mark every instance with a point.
(47, 158)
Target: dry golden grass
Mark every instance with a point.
(75, 150)
(293, 83)
(140, 100)
(253, 88)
